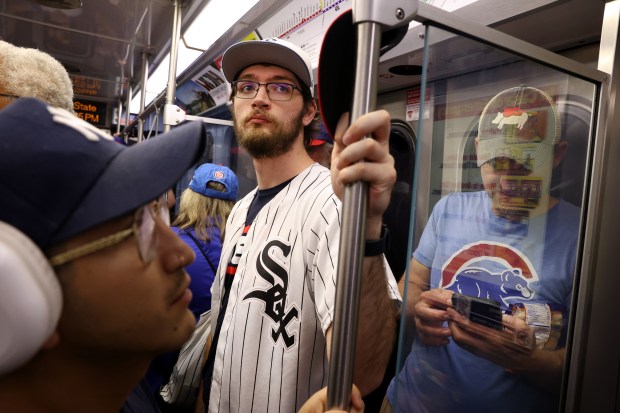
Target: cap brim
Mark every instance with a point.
(137, 175)
(336, 74)
(316, 142)
(244, 54)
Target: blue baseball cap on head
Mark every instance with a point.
(60, 176)
(209, 172)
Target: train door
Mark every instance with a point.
(505, 149)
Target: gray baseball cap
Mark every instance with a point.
(271, 51)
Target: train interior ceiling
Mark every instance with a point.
(103, 44)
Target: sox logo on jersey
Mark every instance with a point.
(275, 297)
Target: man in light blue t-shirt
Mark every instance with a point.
(511, 243)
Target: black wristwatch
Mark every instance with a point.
(378, 246)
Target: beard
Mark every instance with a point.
(262, 143)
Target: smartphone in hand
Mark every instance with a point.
(479, 310)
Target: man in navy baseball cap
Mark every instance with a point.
(60, 176)
(109, 292)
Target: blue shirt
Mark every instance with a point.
(471, 250)
(200, 271)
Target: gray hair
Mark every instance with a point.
(33, 73)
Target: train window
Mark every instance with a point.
(503, 149)
(222, 149)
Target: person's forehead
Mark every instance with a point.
(265, 72)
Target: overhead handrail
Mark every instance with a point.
(174, 115)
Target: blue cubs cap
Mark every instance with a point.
(60, 176)
(209, 172)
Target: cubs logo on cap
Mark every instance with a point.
(209, 172)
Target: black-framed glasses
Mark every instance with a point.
(277, 91)
(143, 227)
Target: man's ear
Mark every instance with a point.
(559, 152)
(310, 113)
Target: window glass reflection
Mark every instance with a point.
(491, 278)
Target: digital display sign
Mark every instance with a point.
(92, 112)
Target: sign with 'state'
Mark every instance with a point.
(92, 112)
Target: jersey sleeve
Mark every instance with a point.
(322, 253)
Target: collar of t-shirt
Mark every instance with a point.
(261, 198)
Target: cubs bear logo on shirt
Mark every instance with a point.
(490, 270)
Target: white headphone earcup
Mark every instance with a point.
(30, 298)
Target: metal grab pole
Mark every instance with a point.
(127, 103)
(174, 53)
(143, 80)
(352, 235)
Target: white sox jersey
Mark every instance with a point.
(271, 354)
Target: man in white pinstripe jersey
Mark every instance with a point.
(273, 297)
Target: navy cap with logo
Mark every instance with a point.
(60, 176)
(209, 172)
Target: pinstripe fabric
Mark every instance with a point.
(254, 372)
(271, 353)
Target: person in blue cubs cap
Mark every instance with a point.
(92, 279)
(203, 211)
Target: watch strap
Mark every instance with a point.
(378, 246)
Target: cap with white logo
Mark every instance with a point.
(520, 123)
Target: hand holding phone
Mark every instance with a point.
(483, 311)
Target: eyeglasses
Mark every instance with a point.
(143, 227)
(276, 91)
